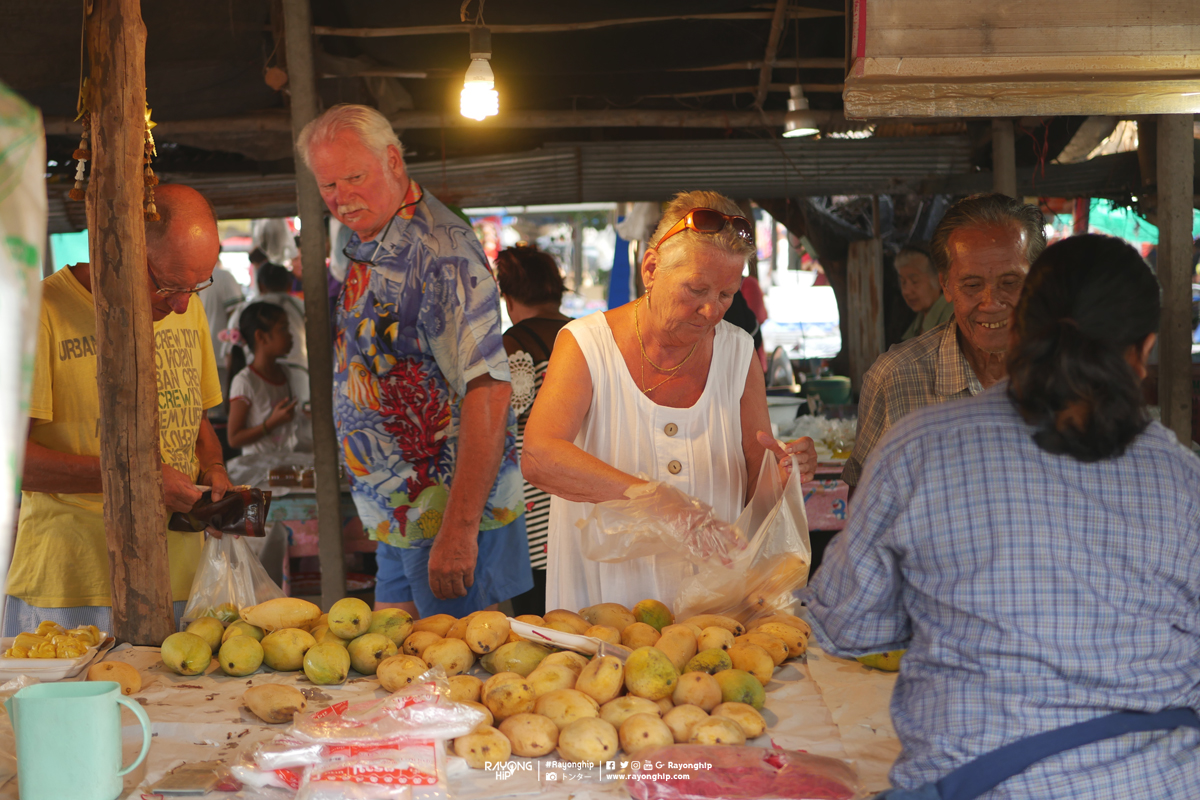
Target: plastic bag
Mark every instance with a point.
(375, 750)
(701, 772)
(763, 577)
(423, 708)
(228, 579)
(657, 519)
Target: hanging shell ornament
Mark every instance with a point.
(84, 151)
(148, 177)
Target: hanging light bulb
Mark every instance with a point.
(479, 97)
(799, 121)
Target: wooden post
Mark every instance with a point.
(1081, 213)
(1004, 157)
(303, 83)
(1176, 165)
(864, 309)
(130, 464)
(577, 253)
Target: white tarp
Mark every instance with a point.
(23, 230)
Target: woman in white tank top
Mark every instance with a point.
(662, 387)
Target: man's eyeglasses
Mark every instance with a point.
(709, 220)
(370, 262)
(161, 292)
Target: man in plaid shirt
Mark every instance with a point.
(982, 249)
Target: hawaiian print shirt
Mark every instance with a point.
(417, 319)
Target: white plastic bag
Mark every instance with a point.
(762, 578)
(229, 578)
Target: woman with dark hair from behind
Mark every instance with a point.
(1036, 548)
(532, 287)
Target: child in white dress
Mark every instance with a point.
(262, 400)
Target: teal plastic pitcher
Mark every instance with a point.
(69, 740)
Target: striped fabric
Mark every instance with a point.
(20, 617)
(528, 345)
(921, 372)
(1031, 590)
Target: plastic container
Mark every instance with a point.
(834, 390)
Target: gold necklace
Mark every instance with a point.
(670, 372)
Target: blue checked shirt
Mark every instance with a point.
(1032, 591)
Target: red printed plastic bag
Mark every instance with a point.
(703, 772)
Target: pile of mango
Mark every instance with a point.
(52, 640)
(288, 634)
(699, 681)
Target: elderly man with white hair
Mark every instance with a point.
(421, 394)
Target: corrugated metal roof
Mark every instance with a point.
(621, 171)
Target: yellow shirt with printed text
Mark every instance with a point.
(61, 555)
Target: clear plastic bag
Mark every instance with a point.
(228, 579)
(657, 519)
(762, 578)
(423, 708)
(701, 772)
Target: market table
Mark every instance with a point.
(822, 704)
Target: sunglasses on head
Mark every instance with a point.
(709, 220)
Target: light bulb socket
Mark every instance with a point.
(481, 42)
(796, 100)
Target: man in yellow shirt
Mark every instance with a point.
(60, 568)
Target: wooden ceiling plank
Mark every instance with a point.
(562, 27)
(814, 88)
(773, 38)
(870, 99)
(779, 63)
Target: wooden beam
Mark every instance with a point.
(864, 308)
(1004, 157)
(809, 88)
(779, 63)
(1043, 96)
(303, 83)
(130, 464)
(1176, 168)
(563, 27)
(414, 120)
(390, 73)
(735, 66)
(773, 37)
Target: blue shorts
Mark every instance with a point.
(501, 571)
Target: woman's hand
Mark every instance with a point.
(803, 450)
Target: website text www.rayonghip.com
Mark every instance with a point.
(631, 769)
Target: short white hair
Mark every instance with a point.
(680, 247)
(910, 255)
(371, 128)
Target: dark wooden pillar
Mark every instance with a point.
(1175, 168)
(302, 81)
(131, 467)
(1004, 157)
(864, 294)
